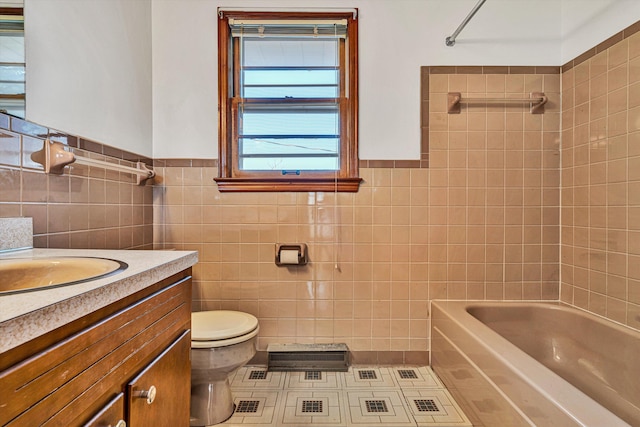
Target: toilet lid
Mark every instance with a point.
(221, 325)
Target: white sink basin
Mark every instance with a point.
(25, 274)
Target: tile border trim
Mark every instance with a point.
(30, 129)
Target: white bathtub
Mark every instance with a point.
(540, 364)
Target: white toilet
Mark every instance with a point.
(222, 341)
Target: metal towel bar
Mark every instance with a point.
(536, 99)
(54, 158)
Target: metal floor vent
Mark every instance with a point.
(258, 375)
(312, 406)
(307, 357)
(376, 406)
(367, 375)
(426, 405)
(312, 375)
(407, 374)
(247, 406)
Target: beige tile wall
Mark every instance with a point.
(86, 208)
(480, 223)
(601, 182)
(366, 281)
(494, 188)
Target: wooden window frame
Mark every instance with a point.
(230, 179)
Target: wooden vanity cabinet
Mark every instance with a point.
(93, 371)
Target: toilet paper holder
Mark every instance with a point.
(286, 254)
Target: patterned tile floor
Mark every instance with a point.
(362, 397)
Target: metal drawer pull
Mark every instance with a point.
(150, 394)
(121, 423)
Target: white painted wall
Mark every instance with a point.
(185, 79)
(89, 69)
(89, 62)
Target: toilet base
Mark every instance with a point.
(211, 403)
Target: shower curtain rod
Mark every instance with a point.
(451, 40)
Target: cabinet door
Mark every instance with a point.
(160, 395)
(112, 415)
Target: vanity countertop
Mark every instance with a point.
(27, 315)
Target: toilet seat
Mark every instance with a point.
(221, 328)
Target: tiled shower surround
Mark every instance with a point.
(480, 223)
(86, 207)
(601, 179)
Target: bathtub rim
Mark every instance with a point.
(559, 392)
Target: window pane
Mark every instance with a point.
(289, 136)
(11, 88)
(278, 122)
(12, 79)
(290, 83)
(17, 110)
(12, 69)
(11, 48)
(290, 76)
(12, 73)
(289, 153)
(290, 164)
(279, 139)
(289, 53)
(298, 147)
(290, 92)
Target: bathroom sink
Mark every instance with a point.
(29, 274)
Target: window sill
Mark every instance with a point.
(341, 185)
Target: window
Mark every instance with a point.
(288, 106)
(12, 68)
